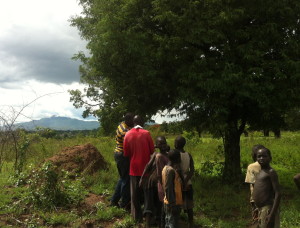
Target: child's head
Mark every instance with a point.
(179, 142)
(174, 156)
(264, 156)
(255, 148)
(161, 144)
(128, 118)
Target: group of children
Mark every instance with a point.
(167, 177)
(167, 185)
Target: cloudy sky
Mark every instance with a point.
(36, 47)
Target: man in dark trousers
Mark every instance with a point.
(138, 146)
(122, 190)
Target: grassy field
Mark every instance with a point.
(217, 204)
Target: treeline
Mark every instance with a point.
(62, 134)
(290, 122)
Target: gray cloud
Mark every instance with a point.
(39, 54)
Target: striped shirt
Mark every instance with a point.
(120, 133)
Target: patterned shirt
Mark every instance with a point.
(120, 134)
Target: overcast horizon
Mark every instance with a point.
(36, 47)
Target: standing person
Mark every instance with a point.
(122, 190)
(152, 178)
(187, 169)
(138, 146)
(297, 180)
(172, 185)
(252, 170)
(266, 193)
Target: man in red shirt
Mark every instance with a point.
(138, 146)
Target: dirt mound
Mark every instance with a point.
(79, 159)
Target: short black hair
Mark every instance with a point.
(174, 156)
(137, 120)
(160, 138)
(255, 149)
(180, 141)
(128, 116)
(266, 150)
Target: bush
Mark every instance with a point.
(48, 189)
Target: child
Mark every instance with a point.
(187, 169)
(152, 176)
(252, 171)
(266, 192)
(297, 180)
(172, 185)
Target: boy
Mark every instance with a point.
(252, 171)
(122, 189)
(152, 176)
(172, 185)
(266, 192)
(187, 169)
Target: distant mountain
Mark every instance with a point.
(59, 123)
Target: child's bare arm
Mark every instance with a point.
(276, 188)
(147, 169)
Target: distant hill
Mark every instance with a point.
(60, 123)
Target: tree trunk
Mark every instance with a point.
(266, 132)
(277, 133)
(232, 168)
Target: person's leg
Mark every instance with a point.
(190, 217)
(148, 209)
(176, 216)
(125, 192)
(262, 215)
(135, 191)
(163, 217)
(117, 194)
(189, 203)
(168, 217)
(172, 217)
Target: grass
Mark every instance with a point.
(216, 203)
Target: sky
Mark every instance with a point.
(36, 47)
(36, 70)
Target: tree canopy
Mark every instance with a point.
(224, 63)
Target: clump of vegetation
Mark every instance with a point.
(49, 189)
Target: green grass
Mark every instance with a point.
(217, 204)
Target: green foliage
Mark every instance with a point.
(48, 190)
(212, 168)
(59, 218)
(104, 184)
(127, 222)
(108, 213)
(220, 63)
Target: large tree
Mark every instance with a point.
(222, 62)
